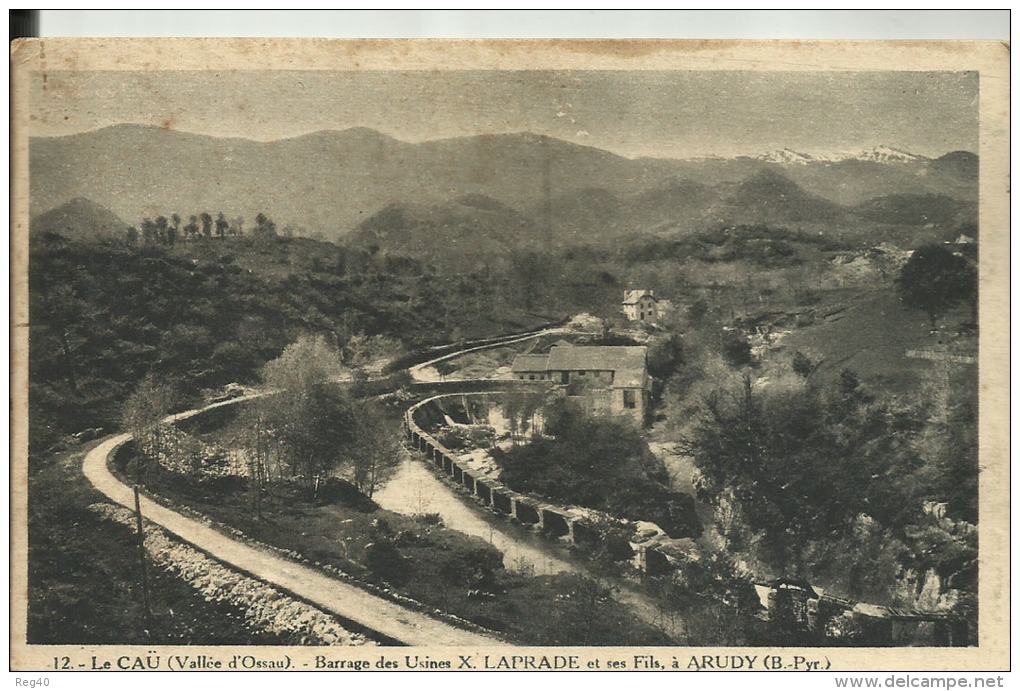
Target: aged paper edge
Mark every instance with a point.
(989, 58)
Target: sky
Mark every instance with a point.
(678, 114)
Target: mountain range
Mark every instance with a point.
(879, 154)
(335, 183)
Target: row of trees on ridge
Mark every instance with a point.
(168, 231)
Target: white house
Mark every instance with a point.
(640, 306)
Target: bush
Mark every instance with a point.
(802, 364)
(736, 349)
(475, 437)
(386, 562)
(471, 566)
(844, 629)
(431, 519)
(336, 491)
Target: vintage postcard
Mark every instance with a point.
(510, 355)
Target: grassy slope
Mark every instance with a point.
(870, 335)
(437, 562)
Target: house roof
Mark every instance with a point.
(631, 297)
(628, 362)
(530, 363)
(793, 584)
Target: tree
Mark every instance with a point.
(365, 351)
(665, 355)
(736, 349)
(308, 361)
(593, 594)
(163, 230)
(374, 452)
(132, 236)
(302, 410)
(207, 222)
(520, 408)
(166, 232)
(260, 444)
(265, 228)
(191, 230)
(221, 225)
(935, 279)
(149, 234)
(324, 431)
(803, 365)
(142, 416)
(264, 224)
(788, 463)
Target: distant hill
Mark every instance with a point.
(786, 155)
(673, 204)
(771, 197)
(962, 164)
(79, 219)
(585, 215)
(918, 209)
(889, 154)
(879, 154)
(329, 182)
(473, 229)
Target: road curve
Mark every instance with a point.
(420, 372)
(330, 595)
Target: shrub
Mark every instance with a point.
(470, 565)
(337, 491)
(386, 562)
(736, 349)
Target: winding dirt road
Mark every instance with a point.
(330, 595)
(427, 372)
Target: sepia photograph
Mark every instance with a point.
(338, 354)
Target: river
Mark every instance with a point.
(415, 490)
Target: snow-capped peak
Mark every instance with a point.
(786, 155)
(888, 154)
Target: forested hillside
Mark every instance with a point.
(106, 314)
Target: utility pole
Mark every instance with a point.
(141, 558)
